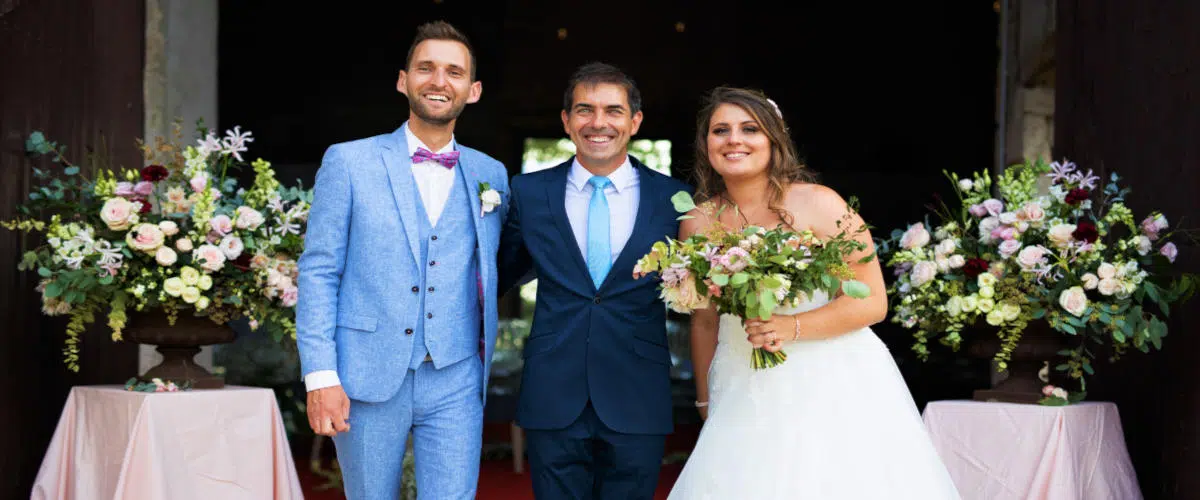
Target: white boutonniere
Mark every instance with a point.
(489, 198)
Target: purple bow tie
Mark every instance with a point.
(448, 159)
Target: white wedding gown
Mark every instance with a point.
(835, 421)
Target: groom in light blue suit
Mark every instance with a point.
(396, 319)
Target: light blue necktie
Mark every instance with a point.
(599, 251)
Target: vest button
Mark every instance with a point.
(596, 300)
(429, 316)
(415, 289)
(408, 331)
(434, 238)
(433, 263)
(430, 289)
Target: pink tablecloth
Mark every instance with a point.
(1032, 452)
(202, 444)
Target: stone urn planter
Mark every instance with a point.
(1039, 345)
(178, 344)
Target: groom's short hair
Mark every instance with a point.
(598, 72)
(440, 30)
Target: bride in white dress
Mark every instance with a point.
(835, 421)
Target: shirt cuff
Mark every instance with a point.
(321, 379)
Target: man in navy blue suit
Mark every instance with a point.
(595, 392)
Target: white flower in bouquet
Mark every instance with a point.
(1061, 235)
(1109, 286)
(232, 246)
(1008, 248)
(249, 218)
(986, 304)
(165, 256)
(986, 226)
(205, 282)
(995, 317)
(915, 237)
(190, 294)
(993, 206)
(1059, 392)
(1010, 311)
(289, 296)
(183, 245)
(118, 214)
(168, 228)
(1008, 218)
(1106, 271)
(954, 306)
(945, 247)
(1144, 245)
(173, 286)
(189, 275)
(1090, 281)
(1073, 300)
(145, 237)
(202, 303)
(985, 280)
(923, 272)
(1033, 213)
(210, 257)
(965, 185)
(957, 261)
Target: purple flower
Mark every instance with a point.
(124, 189)
(1169, 251)
(673, 275)
(144, 188)
(978, 210)
(1060, 171)
(993, 206)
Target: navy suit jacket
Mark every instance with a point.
(606, 345)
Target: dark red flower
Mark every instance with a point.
(1077, 195)
(242, 262)
(974, 267)
(154, 173)
(1086, 231)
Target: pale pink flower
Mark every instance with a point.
(212, 256)
(118, 214)
(1061, 235)
(199, 183)
(993, 206)
(232, 247)
(1009, 247)
(145, 237)
(1032, 213)
(735, 259)
(923, 272)
(165, 256)
(183, 245)
(221, 224)
(1073, 300)
(290, 294)
(1169, 251)
(124, 189)
(1032, 257)
(144, 188)
(1048, 390)
(248, 218)
(978, 210)
(1004, 233)
(915, 237)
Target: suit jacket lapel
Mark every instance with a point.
(472, 193)
(400, 177)
(556, 196)
(633, 250)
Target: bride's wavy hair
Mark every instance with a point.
(785, 167)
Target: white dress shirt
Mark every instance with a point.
(434, 181)
(623, 196)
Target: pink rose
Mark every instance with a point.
(1048, 390)
(144, 188)
(1073, 300)
(1031, 257)
(199, 183)
(183, 245)
(145, 237)
(923, 272)
(124, 189)
(289, 295)
(1169, 251)
(212, 256)
(978, 210)
(1004, 233)
(1009, 247)
(1031, 212)
(993, 206)
(915, 237)
(221, 224)
(118, 214)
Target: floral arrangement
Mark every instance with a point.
(177, 234)
(1053, 246)
(748, 273)
(156, 385)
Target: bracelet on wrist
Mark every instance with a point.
(701, 404)
(796, 321)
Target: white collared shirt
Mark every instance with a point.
(434, 181)
(623, 195)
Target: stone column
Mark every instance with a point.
(180, 82)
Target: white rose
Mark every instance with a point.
(957, 261)
(1108, 286)
(923, 272)
(986, 225)
(954, 306)
(945, 247)
(915, 237)
(205, 283)
(173, 286)
(965, 185)
(165, 256)
(249, 218)
(1009, 218)
(1144, 245)
(986, 305)
(168, 228)
(1106, 271)
(1060, 235)
(145, 237)
(985, 280)
(118, 214)
(1073, 300)
(189, 275)
(995, 317)
(1059, 392)
(202, 303)
(190, 294)
(1010, 311)
(943, 264)
(183, 245)
(221, 224)
(970, 303)
(987, 292)
(209, 257)
(1009, 247)
(1090, 281)
(231, 246)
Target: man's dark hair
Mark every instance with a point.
(440, 30)
(598, 72)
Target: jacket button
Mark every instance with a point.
(408, 331)
(433, 263)
(596, 300)
(434, 238)
(430, 289)
(415, 289)
(429, 316)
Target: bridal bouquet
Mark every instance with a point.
(177, 234)
(748, 273)
(1057, 246)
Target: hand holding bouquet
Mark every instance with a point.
(750, 272)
